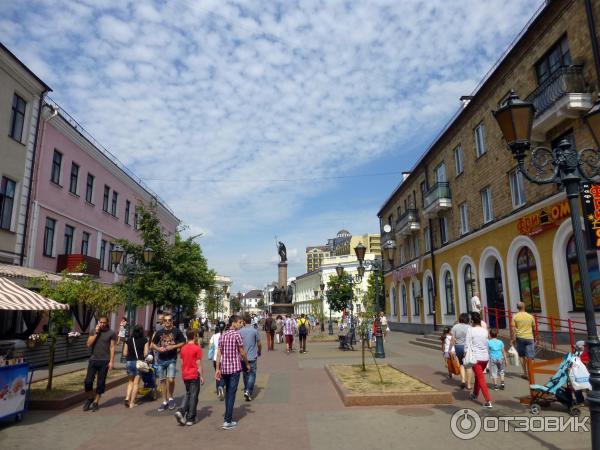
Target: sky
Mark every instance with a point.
(264, 120)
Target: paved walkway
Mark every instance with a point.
(296, 407)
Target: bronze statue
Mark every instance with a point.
(282, 252)
(290, 294)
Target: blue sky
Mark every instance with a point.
(214, 103)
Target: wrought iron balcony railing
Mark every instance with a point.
(408, 221)
(566, 80)
(439, 191)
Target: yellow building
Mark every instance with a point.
(464, 220)
(314, 257)
(371, 241)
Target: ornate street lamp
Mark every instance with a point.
(566, 166)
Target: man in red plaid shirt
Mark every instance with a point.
(229, 366)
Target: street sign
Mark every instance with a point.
(590, 206)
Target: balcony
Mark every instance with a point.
(562, 96)
(437, 199)
(408, 223)
(71, 262)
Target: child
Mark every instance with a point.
(191, 354)
(447, 348)
(498, 359)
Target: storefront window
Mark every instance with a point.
(469, 281)
(574, 281)
(394, 304)
(528, 281)
(416, 306)
(449, 293)
(430, 294)
(403, 291)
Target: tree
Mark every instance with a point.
(235, 305)
(339, 293)
(213, 301)
(260, 304)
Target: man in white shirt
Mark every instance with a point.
(475, 302)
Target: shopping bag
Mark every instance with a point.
(513, 356)
(469, 360)
(453, 364)
(579, 375)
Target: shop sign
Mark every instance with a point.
(405, 272)
(590, 205)
(543, 219)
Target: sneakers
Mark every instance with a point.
(229, 425)
(487, 405)
(94, 407)
(502, 387)
(189, 423)
(171, 403)
(87, 404)
(163, 406)
(221, 393)
(179, 418)
(496, 388)
(473, 397)
(247, 396)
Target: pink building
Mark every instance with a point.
(83, 199)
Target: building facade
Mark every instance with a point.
(372, 242)
(253, 302)
(315, 255)
(21, 94)
(223, 284)
(464, 220)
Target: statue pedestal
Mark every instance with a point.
(282, 274)
(282, 308)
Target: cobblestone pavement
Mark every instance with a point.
(296, 407)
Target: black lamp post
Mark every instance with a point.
(565, 166)
(322, 318)
(130, 268)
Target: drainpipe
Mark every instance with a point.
(27, 205)
(594, 39)
(432, 255)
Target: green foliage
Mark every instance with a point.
(235, 305)
(260, 304)
(339, 293)
(369, 299)
(317, 309)
(213, 302)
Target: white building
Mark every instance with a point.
(223, 283)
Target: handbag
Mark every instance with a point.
(453, 364)
(513, 356)
(140, 366)
(469, 360)
(579, 376)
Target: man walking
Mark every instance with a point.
(253, 348)
(229, 366)
(302, 332)
(289, 327)
(166, 342)
(270, 326)
(103, 344)
(524, 326)
(475, 302)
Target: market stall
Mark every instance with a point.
(15, 375)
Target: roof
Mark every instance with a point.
(343, 233)
(19, 272)
(16, 298)
(255, 293)
(27, 69)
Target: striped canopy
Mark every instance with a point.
(16, 298)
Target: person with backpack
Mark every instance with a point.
(303, 325)
(270, 327)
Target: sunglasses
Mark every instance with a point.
(167, 320)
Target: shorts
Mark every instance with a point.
(526, 348)
(166, 369)
(460, 352)
(289, 339)
(496, 367)
(131, 367)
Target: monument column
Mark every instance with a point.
(282, 275)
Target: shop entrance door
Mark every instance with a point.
(495, 299)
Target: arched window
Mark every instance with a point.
(529, 288)
(394, 302)
(449, 288)
(415, 293)
(403, 293)
(430, 294)
(574, 281)
(469, 281)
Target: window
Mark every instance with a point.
(444, 230)
(69, 234)
(427, 239)
(136, 219)
(404, 308)
(440, 173)
(393, 300)
(430, 294)
(17, 118)
(74, 177)
(423, 192)
(486, 203)
(458, 161)
(56, 163)
(127, 207)
(469, 281)
(449, 288)
(480, 139)
(416, 246)
(390, 219)
(105, 200)
(85, 243)
(7, 200)
(89, 189)
(49, 236)
(114, 203)
(110, 252)
(517, 188)
(102, 254)
(464, 218)
(529, 289)
(558, 56)
(415, 296)
(574, 281)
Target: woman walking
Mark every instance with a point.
(459, 331)
(212, 354)
(136, 349)
(477, 342)
(279, 332)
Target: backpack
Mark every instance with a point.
(273, 325)
(302, 327)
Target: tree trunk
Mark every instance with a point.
(51, 362)
(364, 369)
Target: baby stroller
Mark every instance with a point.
(149, 390)
(557, 389)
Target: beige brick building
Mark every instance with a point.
(464, 221)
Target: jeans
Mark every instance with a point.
(231, 384)
(250, 377)
(101, 369)
(190, 401)
(166, 368)
(302, 338)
